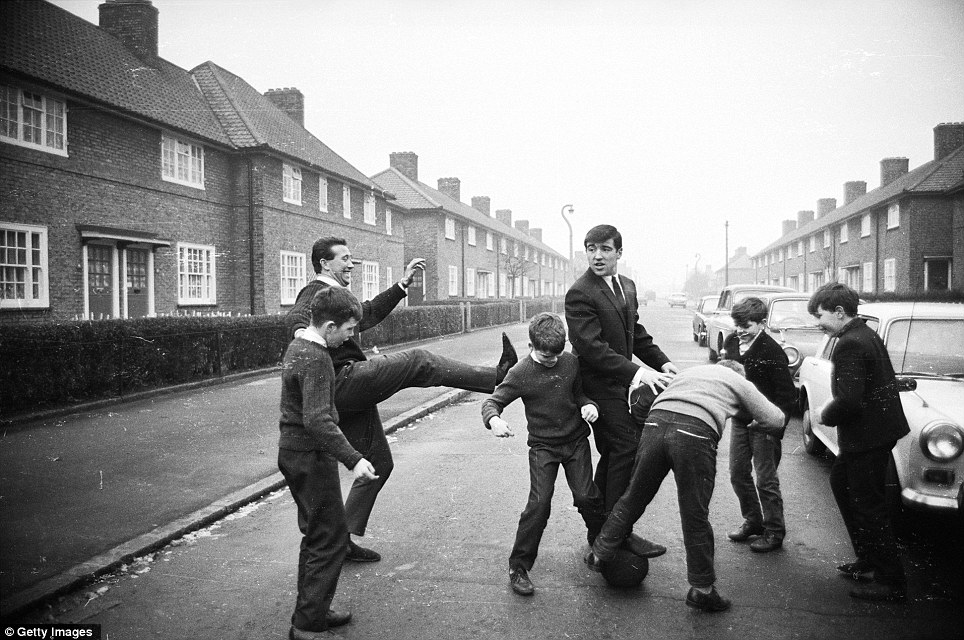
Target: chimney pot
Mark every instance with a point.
(825, 206)
(789, 226)
(853, 190)
(452, 187)
(522, 225)
(536, 233)
(891, 169)
(948, 136)
(134, 23)
(406, 162)
(289, 100)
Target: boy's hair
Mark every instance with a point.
(547, 333)
(733, 365)
(336, 304)
(603, 232)
(749, 310)
(321, 250)
(833, 295)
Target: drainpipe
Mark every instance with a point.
(251, 251)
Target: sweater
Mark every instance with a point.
(552, 396)
(309, 420)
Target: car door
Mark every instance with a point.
(816, 374)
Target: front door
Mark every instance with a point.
(100, 281)
(136, 283)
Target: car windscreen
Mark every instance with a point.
(790, 313)
(929, 347)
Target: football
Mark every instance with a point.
(625, 570)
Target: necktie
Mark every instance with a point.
(618, 290)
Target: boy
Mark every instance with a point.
(752, 448)
(557, 413)
(310, 447)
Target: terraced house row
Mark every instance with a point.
(131, 187)
(905, 237)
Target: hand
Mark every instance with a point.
(500, 428)
(364, 469)
(823, 408)
(589, 413)
(417, 263)
(669, 367)
(657, 381)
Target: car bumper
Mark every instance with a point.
(930, 502)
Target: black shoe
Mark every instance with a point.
(643, 547)
(337, 618)
(879, 592)
(594, 563)
(857, 571)
(769, 541)
(298, 634)
(507, 361)
(520, 583)
(745, 532)
(361, 554)
(711, 601)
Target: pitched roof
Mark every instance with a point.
(416, 195)
(936, 176)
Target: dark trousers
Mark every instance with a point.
(544, 460)
(762, 503)
(687, 447)
(857, 480)
(617, 437)
(316, 488)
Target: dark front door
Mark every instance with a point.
(100, 281)
(136, 283)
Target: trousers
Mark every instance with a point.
(762, 503)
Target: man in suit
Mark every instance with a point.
(602, 313)
(866, 410)
(360, 383)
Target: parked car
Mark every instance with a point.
(677, 300)
(792, 326)
(703, 308)
(719, 324)
(926, 346)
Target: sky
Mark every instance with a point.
(667, 119)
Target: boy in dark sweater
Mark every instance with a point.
(310, 448)
(752, 448)
(557, 413)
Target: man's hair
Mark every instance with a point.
(336, 304)
(833, 295)
(321, 250)
(733, 365)
(750, 309)
(547, 333)
(601, 233)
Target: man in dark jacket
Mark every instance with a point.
(360, 384)
(866, 410)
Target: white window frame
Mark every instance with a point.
(291, 178)
(488, 240)
(449, 228)
(800, 248)
(471, 234)
(890, 274)
(865, 225)
(844, 233)
(292, 275)
(323, 194)
(780, 254)
(33, 263)
(453, 280)
(503, 248)
(52, 123)
(470, 282)
(182, 158)
(369, 279)
(388, 223)
(826, 238)
(868, 277)
(813, 243)
(893, 215)
(515, 249)
(503, 285)
(346, 201)
(207, 279)
(370, 209)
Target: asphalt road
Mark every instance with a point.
(445, 524)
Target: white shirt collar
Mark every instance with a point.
(328, 280)
(311, 335)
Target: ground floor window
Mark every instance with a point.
(23, 267)
(868, 277)
(937, 274)
(890, 274)
(453, 281)
(369, 280)
(292, 275)
(195, 274)
(470, 281)
(119, 280)
(850, 276)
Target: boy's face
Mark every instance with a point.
(748, 330)
(545, 358)
(831, 321)
(337, 334)
(603, 257)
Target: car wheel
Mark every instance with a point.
(696, 337)
(811, 443)
(701, 339)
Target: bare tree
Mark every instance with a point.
(515, 267)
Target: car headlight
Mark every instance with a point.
(793, 354)
(941, 441)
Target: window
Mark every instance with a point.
(292, 275)
(292, 184)
(23, 266)
(470, 281)
(826, 238)
(526, 255)
(323, 194)
(33, 120)
(515, 249)
(890, 274)
(868, 277)
(370, 209)
(813, 243)
(502, 246)
(781, 255)
(488, 240)
(800, 249)
(346, 201)
(893, 216)
(472, 236)
(182, 162)
(844, 233)
(369, 280)
(195, 274)
(815, 280)
(865, 225)
(389, 280)
(850, 276)
(937, 274)
(453, 281)
(449, 228)
(543, 259)
(503, 285)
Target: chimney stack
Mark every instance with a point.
(482, 204)
(948, 136)
(789, 226)
(853, 190)
(134, 23)
(522, 225)
(452, 187)
(891, 169)
(504, 216)
(536, 233)
(406, 162)
(804, 217)
(825, 206)
(289, 100)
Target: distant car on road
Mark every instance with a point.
(677, 300)
(703, 308)
(925, 342)
(719, 324)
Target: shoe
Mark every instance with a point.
(520, 583)
(337, 618)
(298, 634)
(594, 563)
(745, 532)
(507, 361)
(769, 541)
(879, 592)
(857, 571)
(643, 547)
(711, 601)
(361, 554)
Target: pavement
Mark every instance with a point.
(84, 492)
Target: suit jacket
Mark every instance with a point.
(767, 367)
(866, 405)
(605, 336)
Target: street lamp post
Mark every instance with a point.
(726, 257)
(565, 278)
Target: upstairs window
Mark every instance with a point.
(33, 120)
(865, 225)
(472, 236)
(488, 240)
(844, 233)
(826, 238)
(893, 216)
(800, 249)
(449, 228)
(388, 222)
(370, 209)
(195, 274)
(292, 184)
(23, 266)
(346, 201)
(323, 194)
(502, 246)
(182, 162)
(813, 243)
(292, 275)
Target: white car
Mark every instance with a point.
(677, 300)
(926, 346)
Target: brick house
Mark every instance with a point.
(470, 254)
(905, 237)
(131, 187)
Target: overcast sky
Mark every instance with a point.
(665, 118)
